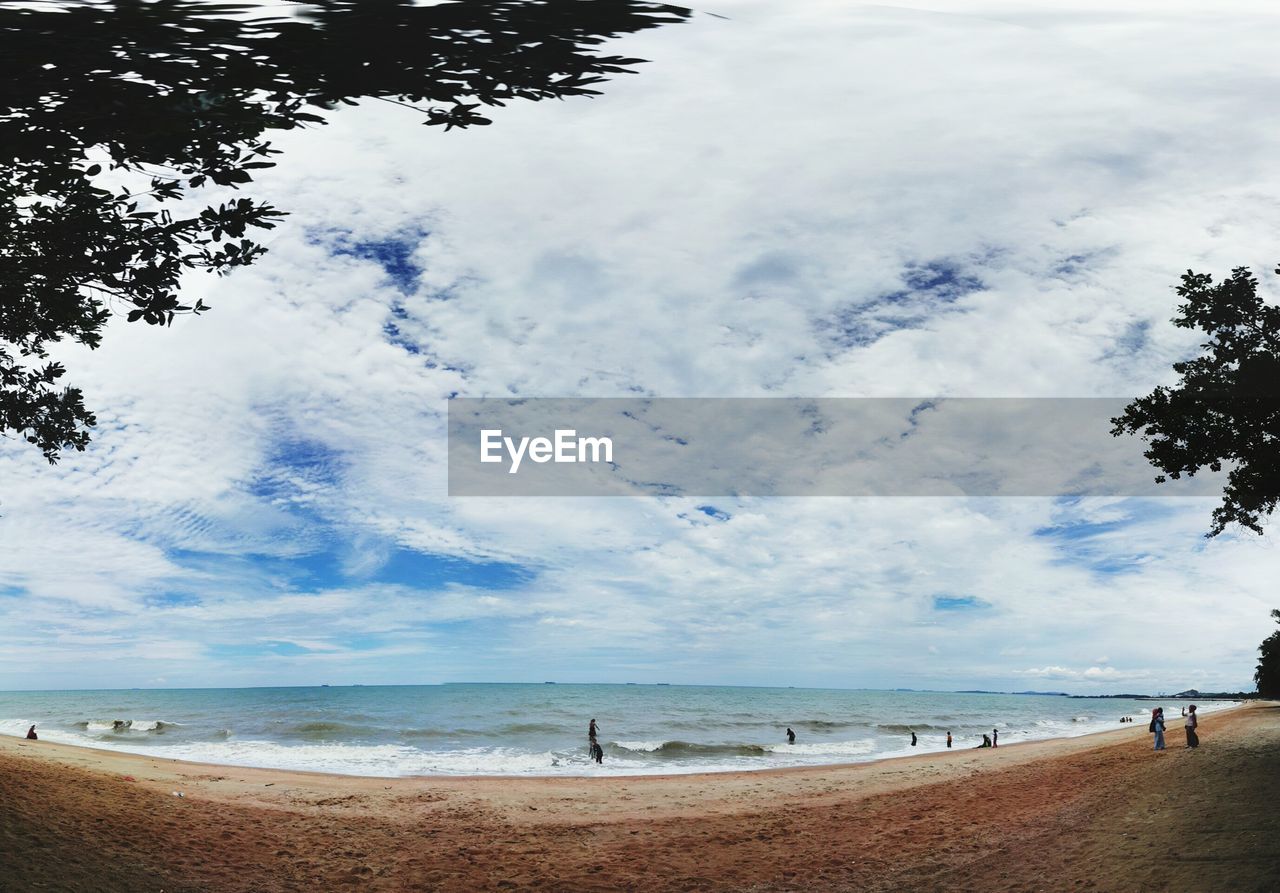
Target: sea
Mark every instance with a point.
(541, 729)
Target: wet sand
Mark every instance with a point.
(1101, 812)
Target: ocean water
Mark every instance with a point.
(519, 729)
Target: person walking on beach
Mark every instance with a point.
(1157, 727)
(1193, 740)
(948, 739)
(31, 734)
(995, 737)
(791, 736)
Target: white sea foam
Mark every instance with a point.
(148, 725)
(824, 748)
(125, 725)
(15, 727)
(640, 746)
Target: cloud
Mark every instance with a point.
(1092, 673)
(810, 199)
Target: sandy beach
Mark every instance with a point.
(1100, 812)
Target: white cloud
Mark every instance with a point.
(741, 218)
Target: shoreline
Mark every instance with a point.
(210, 765)
(1100, 808)
(99, 758)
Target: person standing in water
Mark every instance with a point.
(791, 736)
(593, 746)
(913, 739)
(948, 739)
(995, 737)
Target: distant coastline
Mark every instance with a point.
(1189, 694)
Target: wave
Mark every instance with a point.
(440, 733)
(123, 726)
(688, 750)
(811, 725)
(892, 728)
(819, 725)
(322, 730)
(676, 750)
(825, 748)
(507, 731)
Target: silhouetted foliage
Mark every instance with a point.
(109, 110)
(1267, 676)
(1225, 411)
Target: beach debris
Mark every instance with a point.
(128, 778)
(178, 794)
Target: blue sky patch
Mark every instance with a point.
(393, 253)
(1134, 339)
(1072, 531)
(1090, 544)
(396, 337)
(929, 287)
(171, 600)
(293, 460)
(257, 649)
(959, 603)
(945, 280)
(420, 570)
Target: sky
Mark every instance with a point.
(968, 198)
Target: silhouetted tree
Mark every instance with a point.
(1267, 676)
(1225, 411)
(111, 108)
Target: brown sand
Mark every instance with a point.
(1101, 812)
